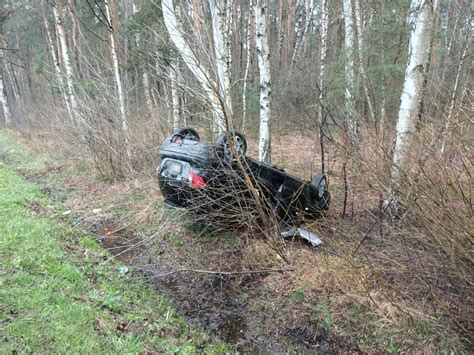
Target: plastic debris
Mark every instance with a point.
(122, 270)
(311, 237)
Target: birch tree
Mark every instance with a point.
(61, 35)
(420, 20)
(173, 74)
(263, 54)
(322, 73)
(57, 67)
(115, 64)
(247, 64)
(195, 66)
(75, 37)
(220, 28)
(3, 98)
(302, 29)
(299, 29)
(349, 73)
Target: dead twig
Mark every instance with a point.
(365, 237)
(214, 272)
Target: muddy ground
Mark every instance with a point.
(364, 290)
(256, 311)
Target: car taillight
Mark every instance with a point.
(196, 181)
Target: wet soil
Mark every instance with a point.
(234, 308)
(241, 309)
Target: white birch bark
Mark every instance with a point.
(310, 6)
(57, 68)
(15, 93)
(323, 53)
(361, 57)
(174, 93)
(71, 92)
(10, 74)
(195, 66)
(228, 26)
(420, 20)
(115, 64)
(146, 89)
(247, 65)
(263, 55)
(3, 99)
(349, 73)
(322, 63)
(302, 30)
(220, 29)
(298, 32)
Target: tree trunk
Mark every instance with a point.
(289, 32)
(449, 48)
(75, 37)
(361, 57)
(115, 64)
(220, 29)
(145, 75)
(10, 74)
(309, 23)
(71, 92)
(174, 93)
(57, 68)
(420, 20)
(280, 31)
(349, 73)
(195, 66)
(3, 99)
(322, 73)
(263, 54)
(247, 65)
(299, 28)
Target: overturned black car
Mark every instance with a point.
(206, 177)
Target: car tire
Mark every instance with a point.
(320, 182)
(223, 148)
(186, 132)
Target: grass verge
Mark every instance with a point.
(58, 295)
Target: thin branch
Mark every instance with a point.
(214, 272)
(365, 237)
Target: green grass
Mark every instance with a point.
(58, 294)
(18, 155)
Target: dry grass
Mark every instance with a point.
(375, 280)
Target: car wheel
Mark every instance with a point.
(185, 132)
(320, 181)
(223, 145)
